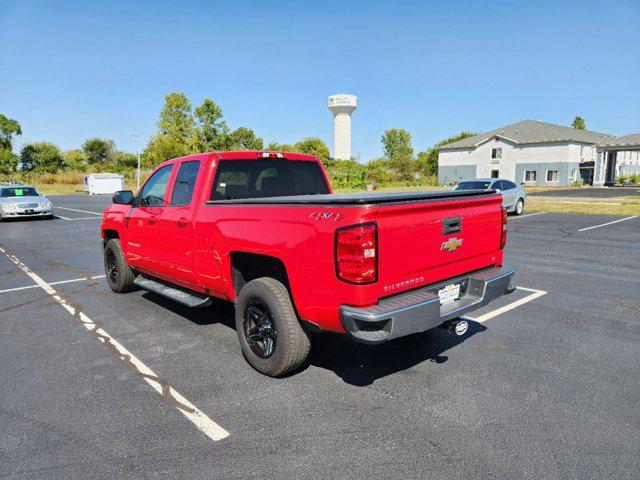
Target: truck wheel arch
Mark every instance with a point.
(108, 234)
(249, 266)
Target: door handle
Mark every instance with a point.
(152, 220)
(183, 222)
(451, 225)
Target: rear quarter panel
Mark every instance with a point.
(302, 237)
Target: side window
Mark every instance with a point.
(508, 185)
(498, 185)
(185, 183)
(153, 192)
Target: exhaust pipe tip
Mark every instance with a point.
(459, 326)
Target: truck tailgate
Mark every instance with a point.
(426, 242)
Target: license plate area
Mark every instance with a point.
(449, 293)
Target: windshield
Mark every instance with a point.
(19, 192)
(472, 185)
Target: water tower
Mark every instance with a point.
(342, 106)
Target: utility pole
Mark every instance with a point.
(135, 135)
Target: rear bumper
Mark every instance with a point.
(420, 310)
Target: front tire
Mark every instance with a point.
(271, 337)
(519, 208)
(120, 277)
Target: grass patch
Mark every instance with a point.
(623, 209)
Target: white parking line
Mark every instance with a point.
(184, 406)
(608, 223)
(76, 210)
(73, 280)
(527, 215)
(74, 219)
(511, 306)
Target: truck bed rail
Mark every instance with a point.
(357, 198)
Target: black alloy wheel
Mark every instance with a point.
(259, 329)
(112, 266)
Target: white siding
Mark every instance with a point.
(512, 154)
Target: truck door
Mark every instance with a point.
(176, 225)
(142, 225)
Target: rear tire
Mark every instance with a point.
(120, 277)
(271, 337)
(519, 208)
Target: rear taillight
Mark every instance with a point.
(357, 254)
(503, 233)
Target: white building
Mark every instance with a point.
(539, 153)
(620, 156)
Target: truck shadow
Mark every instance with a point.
(355, 363)
(361, 365)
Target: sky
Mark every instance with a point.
(75, 70)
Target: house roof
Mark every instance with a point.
(624, 141)
(533, 131)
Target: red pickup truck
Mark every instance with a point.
(265, 231)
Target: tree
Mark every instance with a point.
(98, 151)
(176, 119)
(8, 128)
(280, 147)
(427, 162)
(243, 138)
(76, 159)
(315, 146)
(125, 160)
(210, 132)
(42, 157)
(396, 143)
(379, 171)
(579, 123)
(162, 148)
(8, 161)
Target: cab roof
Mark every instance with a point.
(248, 155)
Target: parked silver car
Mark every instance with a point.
(17, 201)
(513, 195)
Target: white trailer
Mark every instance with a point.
(103, 183)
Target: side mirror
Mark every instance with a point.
(498, 190)
(123, 197)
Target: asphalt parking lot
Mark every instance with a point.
(544, 385)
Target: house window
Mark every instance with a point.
(552, 175)
(530, 175)
(496, 153)
(495, 173)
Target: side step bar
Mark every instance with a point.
(173, 292)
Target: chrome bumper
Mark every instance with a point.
(420, 310)
(24, 213)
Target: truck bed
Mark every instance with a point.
(359, 198)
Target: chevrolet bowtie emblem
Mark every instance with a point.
(451, 245)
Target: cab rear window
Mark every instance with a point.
(238, 179)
